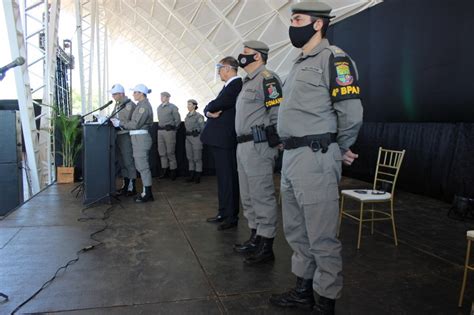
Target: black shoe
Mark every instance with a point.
(197, 177)
(301, 296)
(324, 306)
(227, 225)
(164, 173)
(263, 253)
(123, 189)
(190, 179)
(250, 245)
(216, 219)
(148, 195)
(173, 174)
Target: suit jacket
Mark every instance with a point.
(220, 132)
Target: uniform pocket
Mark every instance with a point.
(249, 94)
(310, 75)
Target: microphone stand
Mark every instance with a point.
(97, 109)
(120, 108)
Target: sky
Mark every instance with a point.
(127, 66)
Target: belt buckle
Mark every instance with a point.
(315, 145)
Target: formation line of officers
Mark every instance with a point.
(314, 118)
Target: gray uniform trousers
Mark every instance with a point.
(125, 156)
(310, 200)
(141, 148)
(166, 148)
(255, 162)
(194, 153)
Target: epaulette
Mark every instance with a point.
(336, 51)
(267, 74)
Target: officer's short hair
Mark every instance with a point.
(264, 57)
(230, 61)
(325, 20)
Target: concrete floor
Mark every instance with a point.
(163, 258)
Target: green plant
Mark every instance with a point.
(69, 128)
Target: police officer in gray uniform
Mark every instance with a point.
(139, 124)
(168, 122)
(124, 108)
(194, 123)
(318, 121)
(255, 125)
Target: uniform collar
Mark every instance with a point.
(191, 113)
(316, 50)
(252, 75)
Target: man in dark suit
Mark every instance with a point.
(219, 135)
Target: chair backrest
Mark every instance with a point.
(388, 166)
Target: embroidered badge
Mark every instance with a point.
(128, 107)
(343, 79)
(272, 91)
(141, 110)
(343, 73)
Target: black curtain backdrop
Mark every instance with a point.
(415, 72)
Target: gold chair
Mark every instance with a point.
(386, 173)
(467, 265)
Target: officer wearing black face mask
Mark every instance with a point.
(318, 121)
(255, 126)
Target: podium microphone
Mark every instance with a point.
(17, 62)
(105, 105)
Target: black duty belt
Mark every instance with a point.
(192, 133)
(168, 128)
(244, 138)
(315, 142)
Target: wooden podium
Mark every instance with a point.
(99, 162)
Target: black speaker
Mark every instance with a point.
(11, 185)
(99, 162)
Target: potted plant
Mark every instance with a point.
(70, 143)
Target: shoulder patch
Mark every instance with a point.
(141, 110)
(128, 107)
(343, 79)
(272, 91)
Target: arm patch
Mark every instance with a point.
(344, 83)
(272, 90)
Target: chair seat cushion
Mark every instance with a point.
(470, 235)
(367, 194)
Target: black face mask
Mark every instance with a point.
(299, 36)
(245, 60)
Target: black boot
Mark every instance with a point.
(250, 245)
(148, 195)
(173, 174)
(324, 306)
(123, 189)
(164, 173)
(301, 296)
(190, 179)
(197, 177)
(132, 192)
(263, 253)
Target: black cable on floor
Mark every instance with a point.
(106, 215)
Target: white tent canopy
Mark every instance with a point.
(186, 38)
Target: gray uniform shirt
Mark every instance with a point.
(250, 106)
(194, 121)
(142, 117)
(125, 114)
(307, 108)
(168, 114)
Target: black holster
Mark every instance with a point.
(272, 136)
